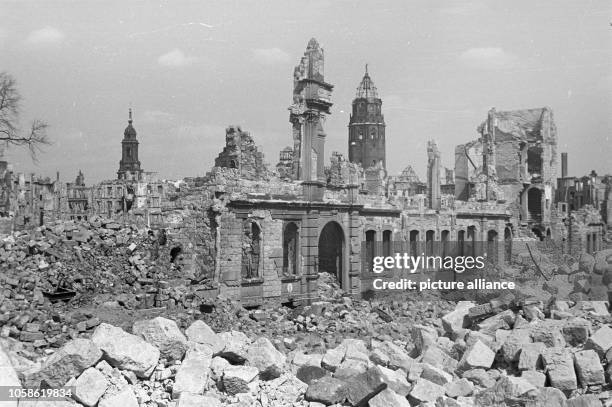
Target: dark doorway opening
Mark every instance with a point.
(507, 244)
(534, 204)
(331, 250)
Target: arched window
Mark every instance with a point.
(251, 250)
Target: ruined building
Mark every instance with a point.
(129, 166)
(255, 234)
(513, 161)
(366, 141)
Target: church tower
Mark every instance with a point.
(367, 126)
(129, 166)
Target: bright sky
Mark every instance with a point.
(190, 68)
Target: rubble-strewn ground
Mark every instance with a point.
(136, 334)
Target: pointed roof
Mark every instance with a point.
(130, 131)
(366, 88)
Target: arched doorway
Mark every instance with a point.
(331, 250)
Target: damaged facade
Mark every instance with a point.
(253, 232)
(272, 234)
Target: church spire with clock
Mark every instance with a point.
(367, 126)
(129, 166)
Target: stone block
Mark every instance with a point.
(89, 387)
(478, 355)
(588, 367)
(559, 366)
(425, 391)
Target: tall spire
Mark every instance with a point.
(130, 115)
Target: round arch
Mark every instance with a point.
(332, 251)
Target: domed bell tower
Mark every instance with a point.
(129, 166)
(367, 126)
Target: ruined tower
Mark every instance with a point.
(311, 102)
(433, 175)
(129, 166)
(367, 126)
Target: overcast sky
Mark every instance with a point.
(189, 69)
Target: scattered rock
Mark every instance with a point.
(164, 334)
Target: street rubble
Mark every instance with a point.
(101, 308)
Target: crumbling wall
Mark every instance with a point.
(342, 172)
(240, 152)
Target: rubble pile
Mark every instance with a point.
(543, 345)
(504, 352)
(75, 261)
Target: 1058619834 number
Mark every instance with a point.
(11, 393)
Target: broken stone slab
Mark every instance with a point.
(89, 387)
(236, 379)
(549, 332)
(585, 400)
(423, 336)
(478, 355)
(350, 367)
(164, 334)
(459, 388)
(576, 331)
(200, 332)
(536, 378)
(438, 358)
(530, 356)
(217, 366)
(425, 391)
(192, 374)
(503, 320)
(395, 380)
(507, 390)
(473, 336)
(333, 358)
(308, 374)
(264, 356)
(559, 366)
(235, 346)
(547, 396)
(70, 361)
(458, 319)
(514, 342)
(435, 375)
(588, 367)
(126, 351)
(387, 398)
(356, 354)
(398, 357)
(361, 388)
(307, 359)
(600, 341)
(123, 398)
(197, 400)
(378, 357)
(327, 390)
(479, 377)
